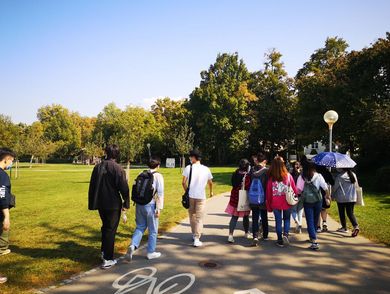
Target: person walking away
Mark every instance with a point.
(296, 213)
(259, 210)
(240, 178)
(279, 181)
(201, 176)
(344, 192)
(309, 187)
(109, 194)
(324, 171)
(7, 156)
(147, 215)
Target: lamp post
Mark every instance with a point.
(150, 154)
(331, 117)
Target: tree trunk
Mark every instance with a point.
(183, 163)
(17, 169)
(31, 160)
(128, 170)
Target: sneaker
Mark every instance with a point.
(255, 242)
(265, 238)
(248, 236)
(129, 254)
(355, 231)
(342, 230)
(197, 243)
(153, 255)
(231, 239)
(5, 252)
(324, 227)
(286, 241)
(108, 264)
(280, 243)
(3, 279)
(319, 230)
(314, 246)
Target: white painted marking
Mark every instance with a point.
(250, 291)
(138, 280)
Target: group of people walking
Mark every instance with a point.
(307, 189)
(270, 189)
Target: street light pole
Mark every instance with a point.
(331, 117)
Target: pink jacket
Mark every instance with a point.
(276, 193)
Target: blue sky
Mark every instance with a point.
(86, 54)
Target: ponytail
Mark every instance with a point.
(351, 176)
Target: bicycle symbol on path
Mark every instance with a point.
(143, 276)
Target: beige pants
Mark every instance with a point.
(196, 213)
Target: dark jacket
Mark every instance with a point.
(261, 173)
(237, 178)
(5, 190)
(108, 188)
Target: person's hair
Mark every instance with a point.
(244, 165)
(154, 162)
(195, 153)
(325, 173)
(4, 152)
(261, 157)
(304, 161)
(350, 175)
(308, 170)
(278, 171)
(112, 151)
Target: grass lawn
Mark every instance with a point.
(54, 235)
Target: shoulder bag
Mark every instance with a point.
(185, 199)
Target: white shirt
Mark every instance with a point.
(158, 187)
(201, 174)
(317, 180)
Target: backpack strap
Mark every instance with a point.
(189, 180)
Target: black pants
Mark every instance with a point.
(256, 213)
(233, 223)
(110, 220)
(347, 207)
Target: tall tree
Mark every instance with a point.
(219, 108)
(184, 141)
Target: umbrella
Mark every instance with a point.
(334, 159)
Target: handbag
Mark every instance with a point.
(291, 198)
(359, 194)
(185, 199)
(243, 200)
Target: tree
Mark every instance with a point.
(8, 132)
(273, 120)
(59, 127)
(219, 108)
(184, 141)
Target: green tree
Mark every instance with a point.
(8, 132)
(184, 141)
(219, 108)
(272, 121)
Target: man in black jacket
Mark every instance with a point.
(109, 194)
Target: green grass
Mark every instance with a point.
(373, 218)
(54, 235)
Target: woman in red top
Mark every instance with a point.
(279, 180)
(239, 176)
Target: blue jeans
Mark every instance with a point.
(282, 215)
(145, 218)
(312, 213)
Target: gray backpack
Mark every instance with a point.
(310, 193)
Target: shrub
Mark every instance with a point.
(382, 179)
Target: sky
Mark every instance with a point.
(86, 54)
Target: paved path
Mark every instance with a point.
(343, 265)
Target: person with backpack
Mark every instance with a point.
(344, 192)
(278, 186)
(257, 198)
(240, 178)
(195, 178)
(309, 187)
(148, 195)
(7, 156)
(109, 194)
(297, 211)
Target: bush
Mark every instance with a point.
(382, 179)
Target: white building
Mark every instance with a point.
(314, 149)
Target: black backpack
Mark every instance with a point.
(142, 192)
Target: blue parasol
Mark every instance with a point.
(334, 159)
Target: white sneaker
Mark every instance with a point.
(248, 236)
(129, 254)
(108, 264)
(197, 243)
(153, 255)
(3, 279)
(230, 239)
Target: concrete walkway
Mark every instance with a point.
(343, 265)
